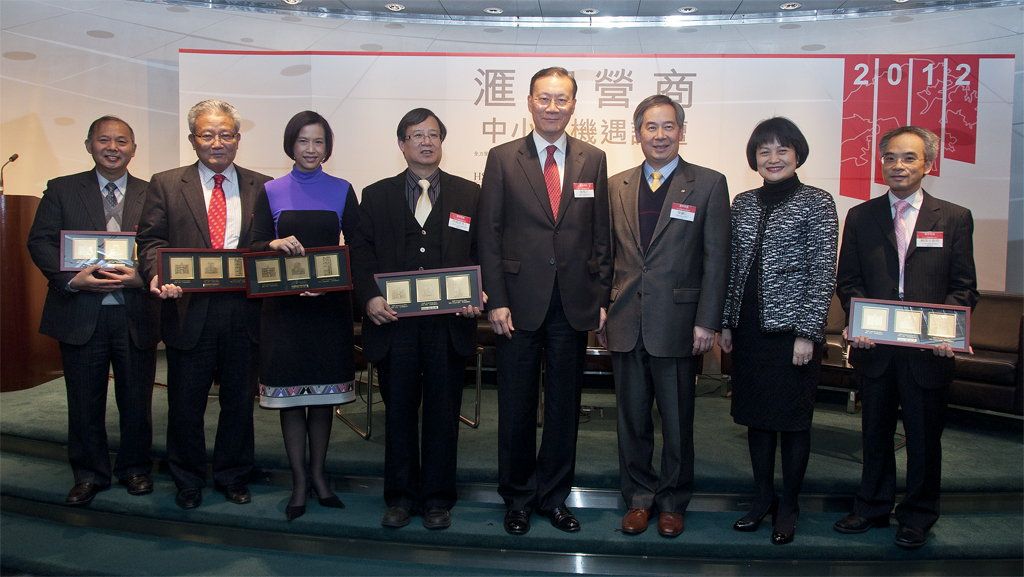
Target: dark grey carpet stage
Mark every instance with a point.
(981, 531)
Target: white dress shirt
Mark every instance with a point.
(542, 153)
(231, 196)
(909, 219)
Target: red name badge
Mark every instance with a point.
(583, 189)
(456, 220)
(683, 211)
(929, 239)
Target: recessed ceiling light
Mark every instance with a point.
(589, 11)
(495, 11)
(394, 7)
(900, 1)
(790, 5)
(687, 10)
(292, 2)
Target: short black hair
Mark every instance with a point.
(107, 118)
(556, 71)
(300, 121)
(416, 116)
(777, 129)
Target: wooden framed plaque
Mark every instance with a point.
(911, 324)
(321, 269)
(202, 269)
(431, 292)
(80, 249)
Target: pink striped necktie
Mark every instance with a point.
(902, 234)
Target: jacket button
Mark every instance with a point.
(551, 261)
(423, 232)
(423, 249)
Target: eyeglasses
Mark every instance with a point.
(545, 101)
(224, 137)
(421, 137)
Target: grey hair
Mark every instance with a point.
(213, 106)
(657, 100)
(931, 141)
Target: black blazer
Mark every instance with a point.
(74, 202)
(378, 246)
(174, 216)
(522, 245)
(869, 268)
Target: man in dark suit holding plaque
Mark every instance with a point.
(670, 240)
(101, 317)
(420, 219)
(209, 336)
(905, 245)
(544, 252)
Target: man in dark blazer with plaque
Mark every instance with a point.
(670, 246)
(209, 336)
(420, 219)
(101, 317)
(545, 260)
(910, 246)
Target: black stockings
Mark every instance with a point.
(796, 449)
(299, 424)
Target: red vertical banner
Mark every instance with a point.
(858, 124)
(926, 97)
(961, 137)
(893, 102)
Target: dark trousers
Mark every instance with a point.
(528, 478)
(225, 354)
(86, 370)
(640, 379)
(421, 368)
(924, 418)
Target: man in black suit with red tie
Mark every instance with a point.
(544, 254)
(209, 336)
(421, 218)
(905, 245)
(101, 317)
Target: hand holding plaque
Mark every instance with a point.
(910, 324)
(431, 292)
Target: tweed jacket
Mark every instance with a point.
(798, 261)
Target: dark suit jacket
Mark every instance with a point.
(684, 272)
(869, 268)
(174, 216)
(522, 246)
(378, 246)
(74, 202)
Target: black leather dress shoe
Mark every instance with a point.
(395, 517)
(910, 537)
(189, 498)
(854, 523)
(82, 493)
(437, 518)
(562, 519)
(138, 484)
(238, 493)
(517, 521)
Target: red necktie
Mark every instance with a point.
(553, 181)
(217, 215)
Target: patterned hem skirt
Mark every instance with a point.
(306, 395)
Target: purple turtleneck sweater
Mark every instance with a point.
(300, 190)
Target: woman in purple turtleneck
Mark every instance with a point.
(306, 364)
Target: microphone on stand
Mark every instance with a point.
(9, 160)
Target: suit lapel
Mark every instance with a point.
(574, 162)
(133, 199)
(682, 188)
(247, 194)
(627, 198)
(529, 162)
(448, 206)
(398, 209)
(883, 217)
(926, 220)
(192, 191)
(89, 191)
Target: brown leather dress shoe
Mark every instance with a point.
(635, 521)
(670, 524)
(82, 493)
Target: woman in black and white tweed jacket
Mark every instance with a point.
(784, 237)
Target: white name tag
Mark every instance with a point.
(583, 189)
(929, 239)
(683, 211)
(456, 220)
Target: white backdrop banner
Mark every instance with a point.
(842, 103)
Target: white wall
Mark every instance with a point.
(64, 63)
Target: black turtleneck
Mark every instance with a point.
(771, 193)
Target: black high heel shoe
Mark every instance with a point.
(292, 512)
(331, 501)
(783, 535)
(751, 521)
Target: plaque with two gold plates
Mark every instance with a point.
(431, 292)
(202, 269)
(911, 324)
(321, 269)
(81, 249)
